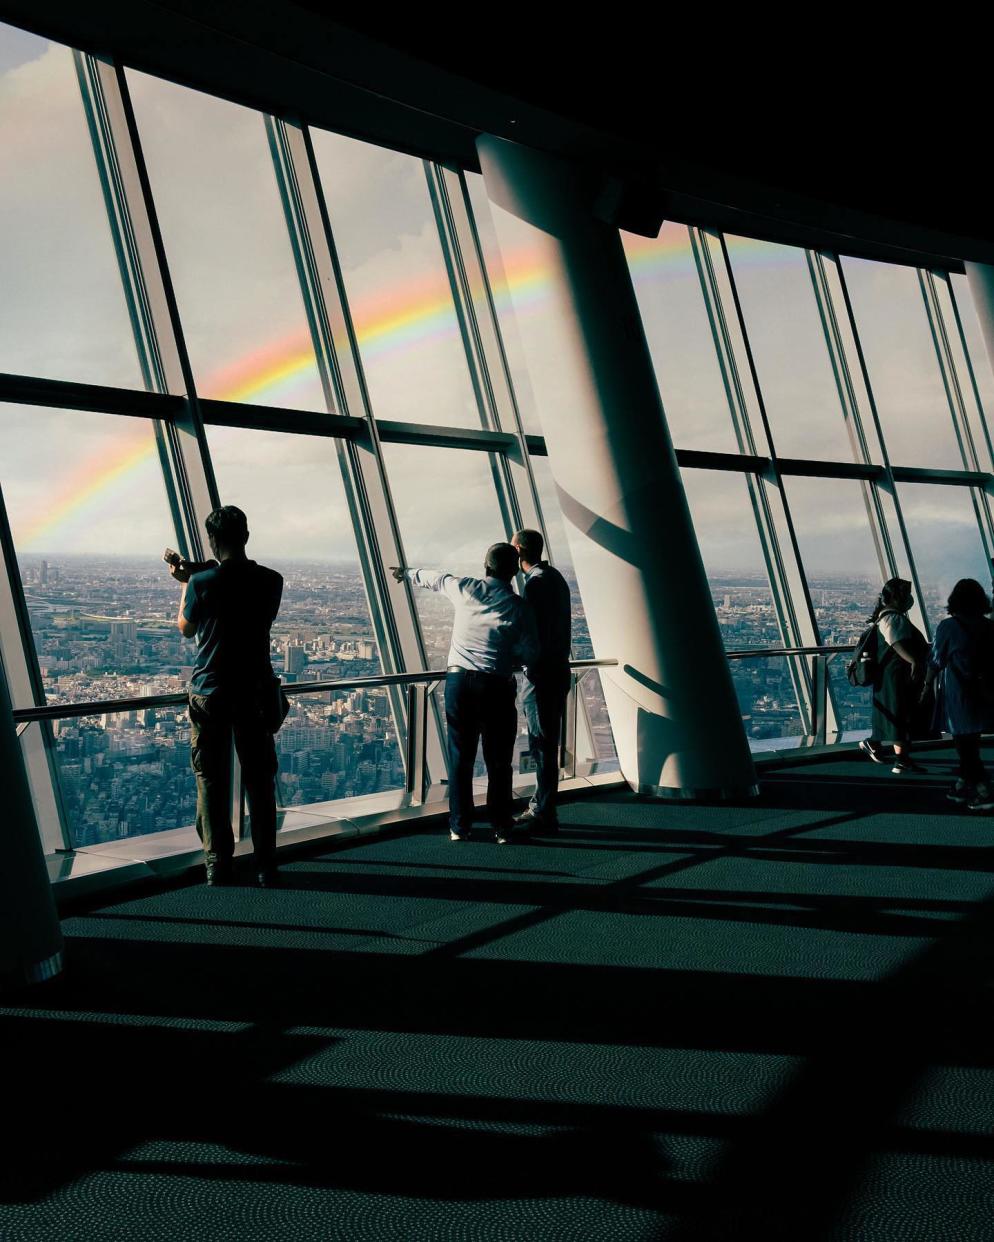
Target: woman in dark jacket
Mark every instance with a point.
(961, 663)
(902, 657)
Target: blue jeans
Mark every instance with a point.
(544, 704)
(480, 705)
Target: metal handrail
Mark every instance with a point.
(748, 653)
(65, 711)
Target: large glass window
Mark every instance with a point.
(788, 344)
(945, 541)
(737, 575)
(397, 284)
(902, 364)
(680, 338)
(62, 312)
(88, 511)
(448, 513)
(227, 245)
(843, 575)
(332, 745)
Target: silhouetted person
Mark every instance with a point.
(961, 665)
(493, 634)
(231, 606)
(547, 677)
(902, 658)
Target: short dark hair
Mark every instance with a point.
(894, 593)
(531, 545)
(502, 561)
(227, 527)
(969, 599)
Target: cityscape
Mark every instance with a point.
(104, 628)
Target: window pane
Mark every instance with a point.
(601, 739)
(901, 362)
(788, 344)
(522, 269)
(977, 350)
(396, 281)
(736, 569)
(843, 576)
(227, 246)
(448, 513)
(62, 314)
(89, 515)
(331, 745)
(680, 339)
(125, 775)
(945, 541)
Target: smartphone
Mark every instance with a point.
(171, 557)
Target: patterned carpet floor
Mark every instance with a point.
(771, 1020)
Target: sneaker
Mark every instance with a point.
(219, 874)
(458, 836)
(535, 824)
(504, 835)
(268, 877)
(871, 751)
(984, 798)
(906, 765)
(962, 792)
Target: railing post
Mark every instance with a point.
(567, 742)
(417, 740)
(819, 699)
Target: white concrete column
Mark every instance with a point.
(30, 937)
(673, 708)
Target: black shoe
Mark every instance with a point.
(534, 824)
(218, 874)
(504, 835)
(873, 752)
(268, 877)
(459, 836)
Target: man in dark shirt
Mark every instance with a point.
(547, 679)
(230, 605)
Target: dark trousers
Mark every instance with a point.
(544, 703)
(214, 720)
(971, 766)
(480, 705)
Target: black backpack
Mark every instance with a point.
(864, 667)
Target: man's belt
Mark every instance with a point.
(477, 672)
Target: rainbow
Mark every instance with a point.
(389, 321)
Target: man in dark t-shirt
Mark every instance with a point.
(230, 606)
(547, 678)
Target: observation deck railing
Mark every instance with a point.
(419, 689)
(820, 659)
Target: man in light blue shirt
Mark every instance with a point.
(493, 634)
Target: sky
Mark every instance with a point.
(69, 480)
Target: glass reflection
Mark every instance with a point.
(397, 284)
(63, 313)
(681, 342)
(901, 362)
(787, 339)
(227, 246)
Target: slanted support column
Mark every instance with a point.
(981, 280)
(673, 708)
(30, 937)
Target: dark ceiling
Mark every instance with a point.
(776, 131)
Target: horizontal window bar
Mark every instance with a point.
(536, 446)
(29, 390)
(699, 459)
(109, 707)
(392, 432)
(925, 474)
(828, 469)
(274, 418)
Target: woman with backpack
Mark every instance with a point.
(901, 659)
(962, 664)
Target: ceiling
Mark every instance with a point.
(781, 133)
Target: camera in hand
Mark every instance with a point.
(187, 568)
